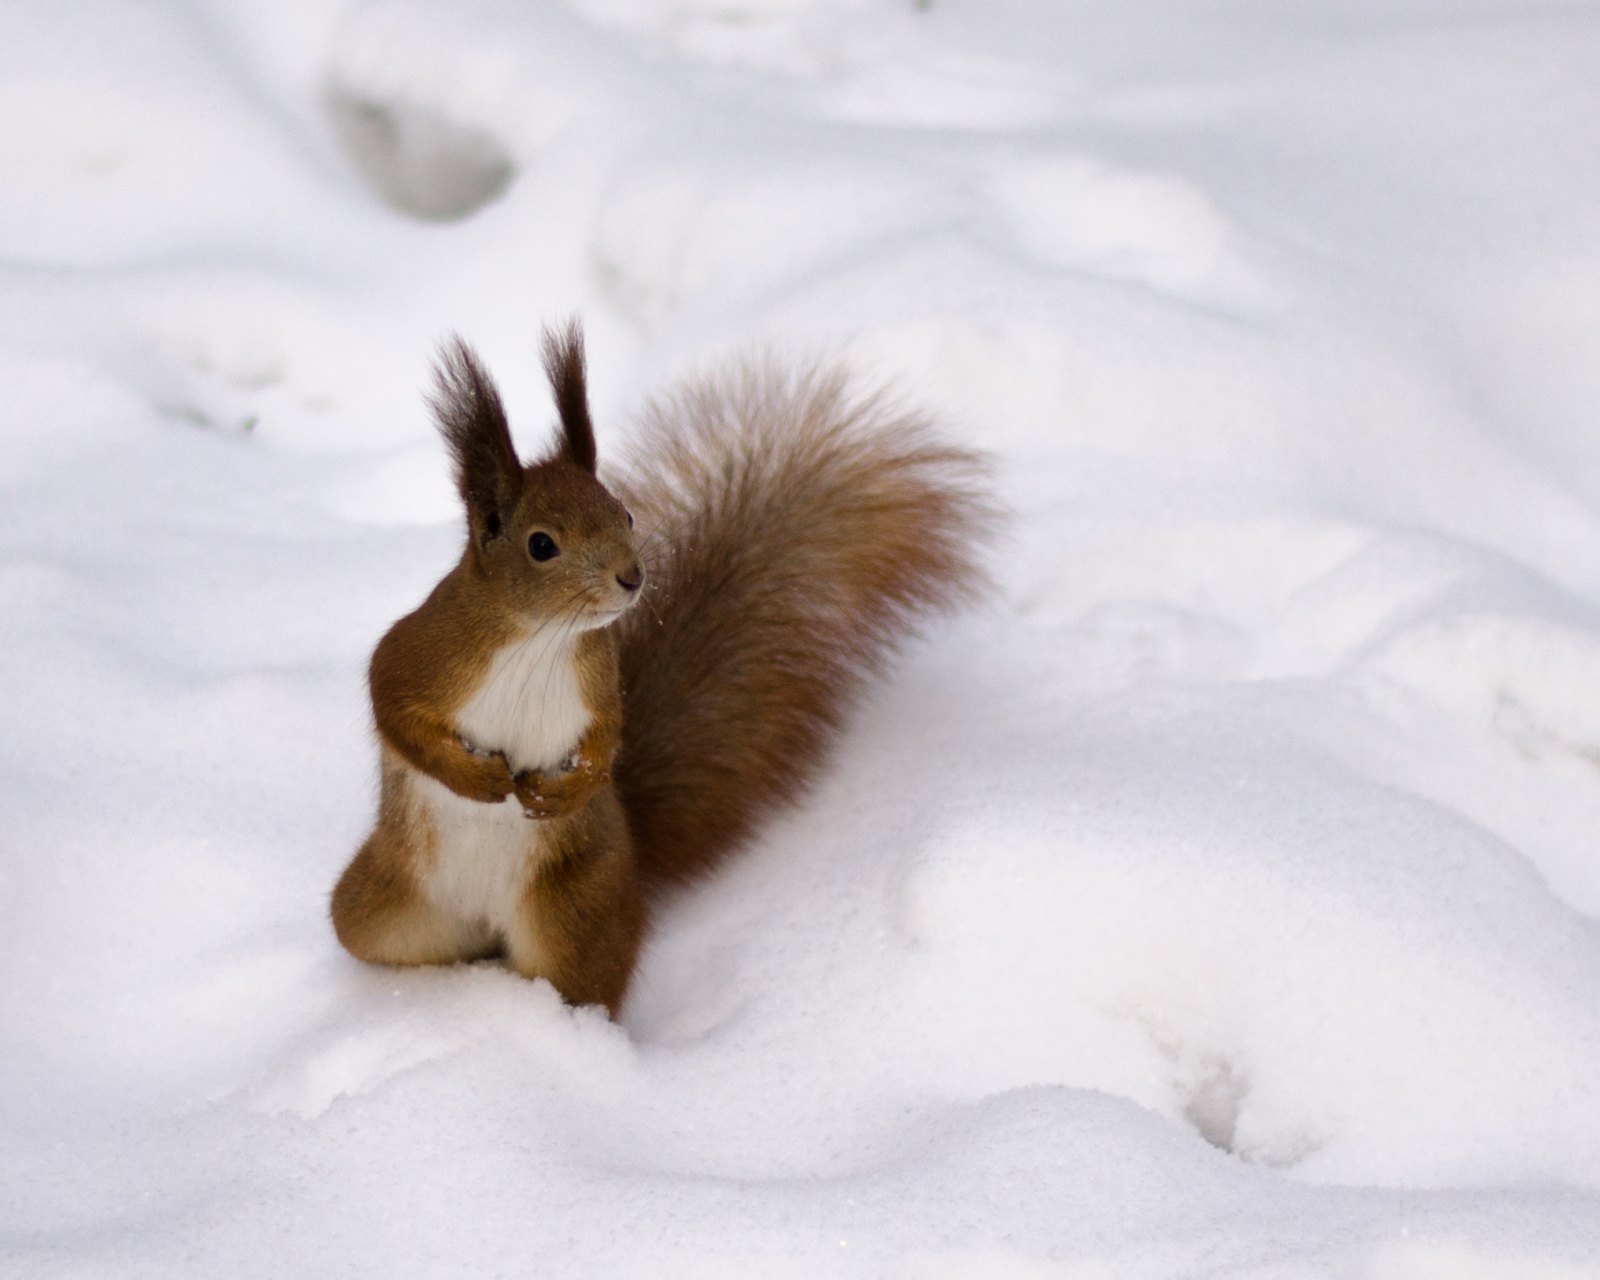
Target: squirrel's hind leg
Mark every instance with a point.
(582, 916)
(381, 916)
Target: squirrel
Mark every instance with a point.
(585, 713)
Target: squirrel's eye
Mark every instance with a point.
(629, 514)
(541, 546)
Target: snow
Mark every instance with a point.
(1220, 899)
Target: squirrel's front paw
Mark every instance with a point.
(536, 793)
(488, 780)
(554, 795)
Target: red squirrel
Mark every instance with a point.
(584, 712)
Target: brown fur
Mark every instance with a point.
(794, 534)
(800, 532)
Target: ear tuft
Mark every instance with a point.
(473, 423)
(563, 364)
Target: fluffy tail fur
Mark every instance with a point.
(796, 533)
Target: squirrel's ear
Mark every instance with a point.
(473, 423)
(563, 364)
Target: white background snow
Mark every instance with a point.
(1219, 901)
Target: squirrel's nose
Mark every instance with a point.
(632, 578)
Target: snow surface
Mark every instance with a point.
(1220, 901)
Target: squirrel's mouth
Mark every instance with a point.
(600, 615)
(623, 593)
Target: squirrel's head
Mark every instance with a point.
(548, 539)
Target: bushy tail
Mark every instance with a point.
(795, 533)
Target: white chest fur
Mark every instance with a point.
(529, 707)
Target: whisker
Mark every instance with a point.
(571, 625)
(555, 616)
